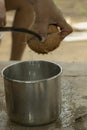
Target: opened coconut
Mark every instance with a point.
(52, 41)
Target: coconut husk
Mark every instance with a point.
(52, 42)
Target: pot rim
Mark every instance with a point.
(34, 81)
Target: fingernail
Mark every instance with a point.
(43, 39)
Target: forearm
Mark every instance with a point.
(2, 13)
(2, 4)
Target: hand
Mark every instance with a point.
(47, 13)
(2, 13)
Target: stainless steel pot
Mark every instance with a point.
(32, 92)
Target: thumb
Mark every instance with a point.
(43, 30)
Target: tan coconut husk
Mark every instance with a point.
(52, 42)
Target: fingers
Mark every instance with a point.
(65, 31)
(65, 28)
(60, 21)
(43, 29)
(52, 15)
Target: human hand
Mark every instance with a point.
(2, 13)
(47, 13)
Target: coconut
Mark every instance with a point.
(52, 41)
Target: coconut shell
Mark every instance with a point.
(52, 42)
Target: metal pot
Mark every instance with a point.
(32, 91)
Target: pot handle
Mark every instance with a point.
(18, 29)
